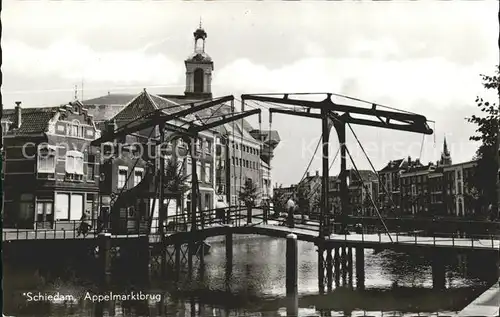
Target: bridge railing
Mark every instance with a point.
(68, 229)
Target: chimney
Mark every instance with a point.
(409, 160)
(308, 174)
(18, 113)
(317, 173)
(111, 126)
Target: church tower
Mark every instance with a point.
(199, 67)
(445, 155)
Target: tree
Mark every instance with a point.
(174, 180)
(485, 174)
(279, 200)
(248, 195)
(367, 206)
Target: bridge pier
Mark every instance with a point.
(360, 268)
(337, 265)
(349, 264)
(291, 264)
(229, 256)
(104, 243)
(190, 258)
(177, 260)
(329, 268)
(344, 264)
(438, 271)
(321, 268)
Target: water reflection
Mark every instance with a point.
(395, 283)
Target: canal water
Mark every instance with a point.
(395, 285)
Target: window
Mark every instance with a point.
(198, 80)
(241, 161)
(236, 161)
(75, 129)
(198, 171)
(5, 126)
(91, 167)
(76, 210)
(236, 145)
(208, 173)
(62, 206)
(46, 160)
(122, 176)
(43, 211)
(138, 172)
(207, 149)
(74, 165)
(233, 160)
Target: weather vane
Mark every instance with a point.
(200, 22)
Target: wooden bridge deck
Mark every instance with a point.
(353, 240)
(9, 235)
(304, 233)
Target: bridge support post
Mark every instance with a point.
(229, 250)
(349, 264)
(438, 271)
(177, 260)
(344, 264)
(144, 253)
(360, 268)
(291, 264)
(104, 242)
(321, 268)
(337, 265)
(229, 257)
(292, 308)
(329, 268)
(190, 251)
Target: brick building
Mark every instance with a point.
(390, 184)
(51, 173)
(242, 151)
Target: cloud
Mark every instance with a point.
(68, 59)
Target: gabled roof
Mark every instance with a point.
(33, 120)
(366, 175)
(112, 105)
(393, 166)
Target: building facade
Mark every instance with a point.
(237, 151)
(51, 172)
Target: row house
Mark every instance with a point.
(415, 189)
(389, 189)
(362, 185)
(51, 172)
(440, 188)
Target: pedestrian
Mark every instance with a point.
(290, 207)
(265, 211)
(85, 225)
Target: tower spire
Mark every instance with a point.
(445, 155)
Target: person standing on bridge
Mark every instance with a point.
(85, 225)
(290, 207)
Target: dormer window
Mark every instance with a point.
(46, 161)
(5, 126)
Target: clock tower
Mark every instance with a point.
(199, 68)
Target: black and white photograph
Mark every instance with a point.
(250, 158)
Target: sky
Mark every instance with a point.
(424, 57)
